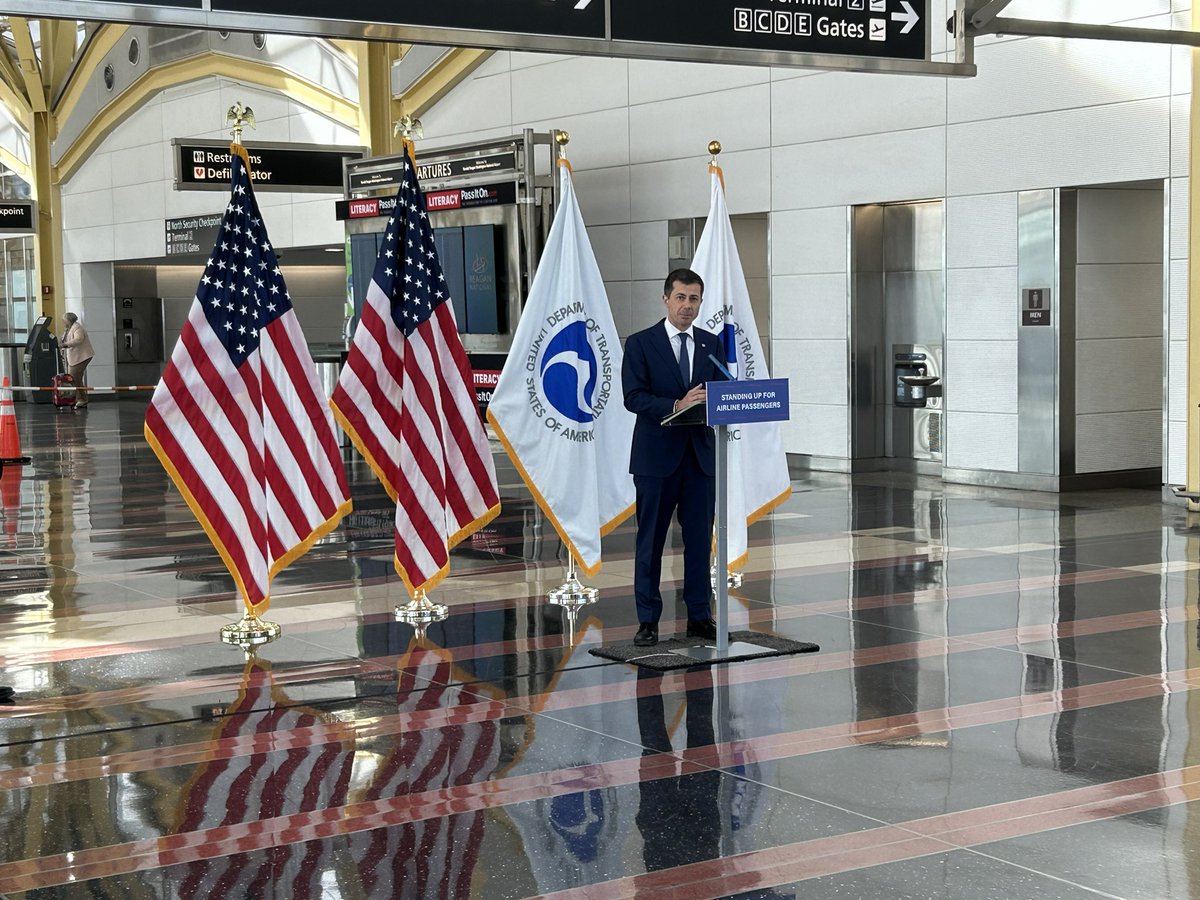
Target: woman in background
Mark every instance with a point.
(79, 350)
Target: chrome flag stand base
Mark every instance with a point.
(420, 613)
(572, 596)
(251, 631)
(571, 593)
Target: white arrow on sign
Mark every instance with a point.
(909, 17)
(582, 4)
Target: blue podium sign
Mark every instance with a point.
(740, 402)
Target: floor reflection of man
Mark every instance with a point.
(678, 817)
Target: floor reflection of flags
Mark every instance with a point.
(437, 856)
(263, 785)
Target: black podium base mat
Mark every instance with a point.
(661, 658)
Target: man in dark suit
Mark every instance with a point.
(673, 466)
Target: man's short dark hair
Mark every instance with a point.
(683, 276)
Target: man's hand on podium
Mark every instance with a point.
(695, 395)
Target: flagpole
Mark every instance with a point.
(733, 579)
(571, 594)
(420, 612)
(250, 631)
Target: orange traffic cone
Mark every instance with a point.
(10, 441)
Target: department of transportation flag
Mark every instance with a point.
(558, 408)
(406, 399)
(758, 472)
(239, 419)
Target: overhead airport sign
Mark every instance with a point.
(16, 217)
(192, 234)
(854, 35)
(439, 171)
(504, 192)
(892, 28)
(298, 168)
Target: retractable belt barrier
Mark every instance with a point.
(112, 389)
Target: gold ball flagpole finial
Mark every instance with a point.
(714, 148)
(562, 138)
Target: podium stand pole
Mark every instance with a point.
(722, 529)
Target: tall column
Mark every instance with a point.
(1193, 333)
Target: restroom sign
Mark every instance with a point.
(1035, 306)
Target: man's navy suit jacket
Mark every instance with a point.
(652, 383)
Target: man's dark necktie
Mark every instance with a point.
(685, 365)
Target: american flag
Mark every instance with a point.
(239, 419)
(255, 773)
(406, 399)
(434, 856)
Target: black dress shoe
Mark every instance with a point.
(702, 628)
(647, 635)
(6, 695)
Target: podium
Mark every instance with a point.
(729, 403)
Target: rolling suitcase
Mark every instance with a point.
(63, 395)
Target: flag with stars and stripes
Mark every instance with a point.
(405, 398)
(239, 419)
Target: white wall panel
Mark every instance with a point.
(1177, 369)
(982, 304)
(314, 223)
(649, 240)
(645, 303)
(1179, 205)
(81, 211)
(145, 239)
(523, 60)
(682, 128)
(598, 139)
(96, 174)
(1118, 376)
(654, 80)
(846, 104)
(817, 368)
(575, 85)
(981, 231)
(136, 203)
(981, 376)
(905, 165)
(977, 440)
(810, 241)
(1032, 75)
(475, 105)
(620, 302)
(1118, 301)
(1071, 147)
(137, 165)
(610, 243)
(1115, 441)
(603, 195)
(1181, 121)
(679, 188)
(1176, 456)
(817, 430)
(1178, 298)
(1094, 12)
(809, 306)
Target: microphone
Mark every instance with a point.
(721, 368)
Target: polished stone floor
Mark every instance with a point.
(1002, 706)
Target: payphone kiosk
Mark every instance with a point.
(490, 204)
